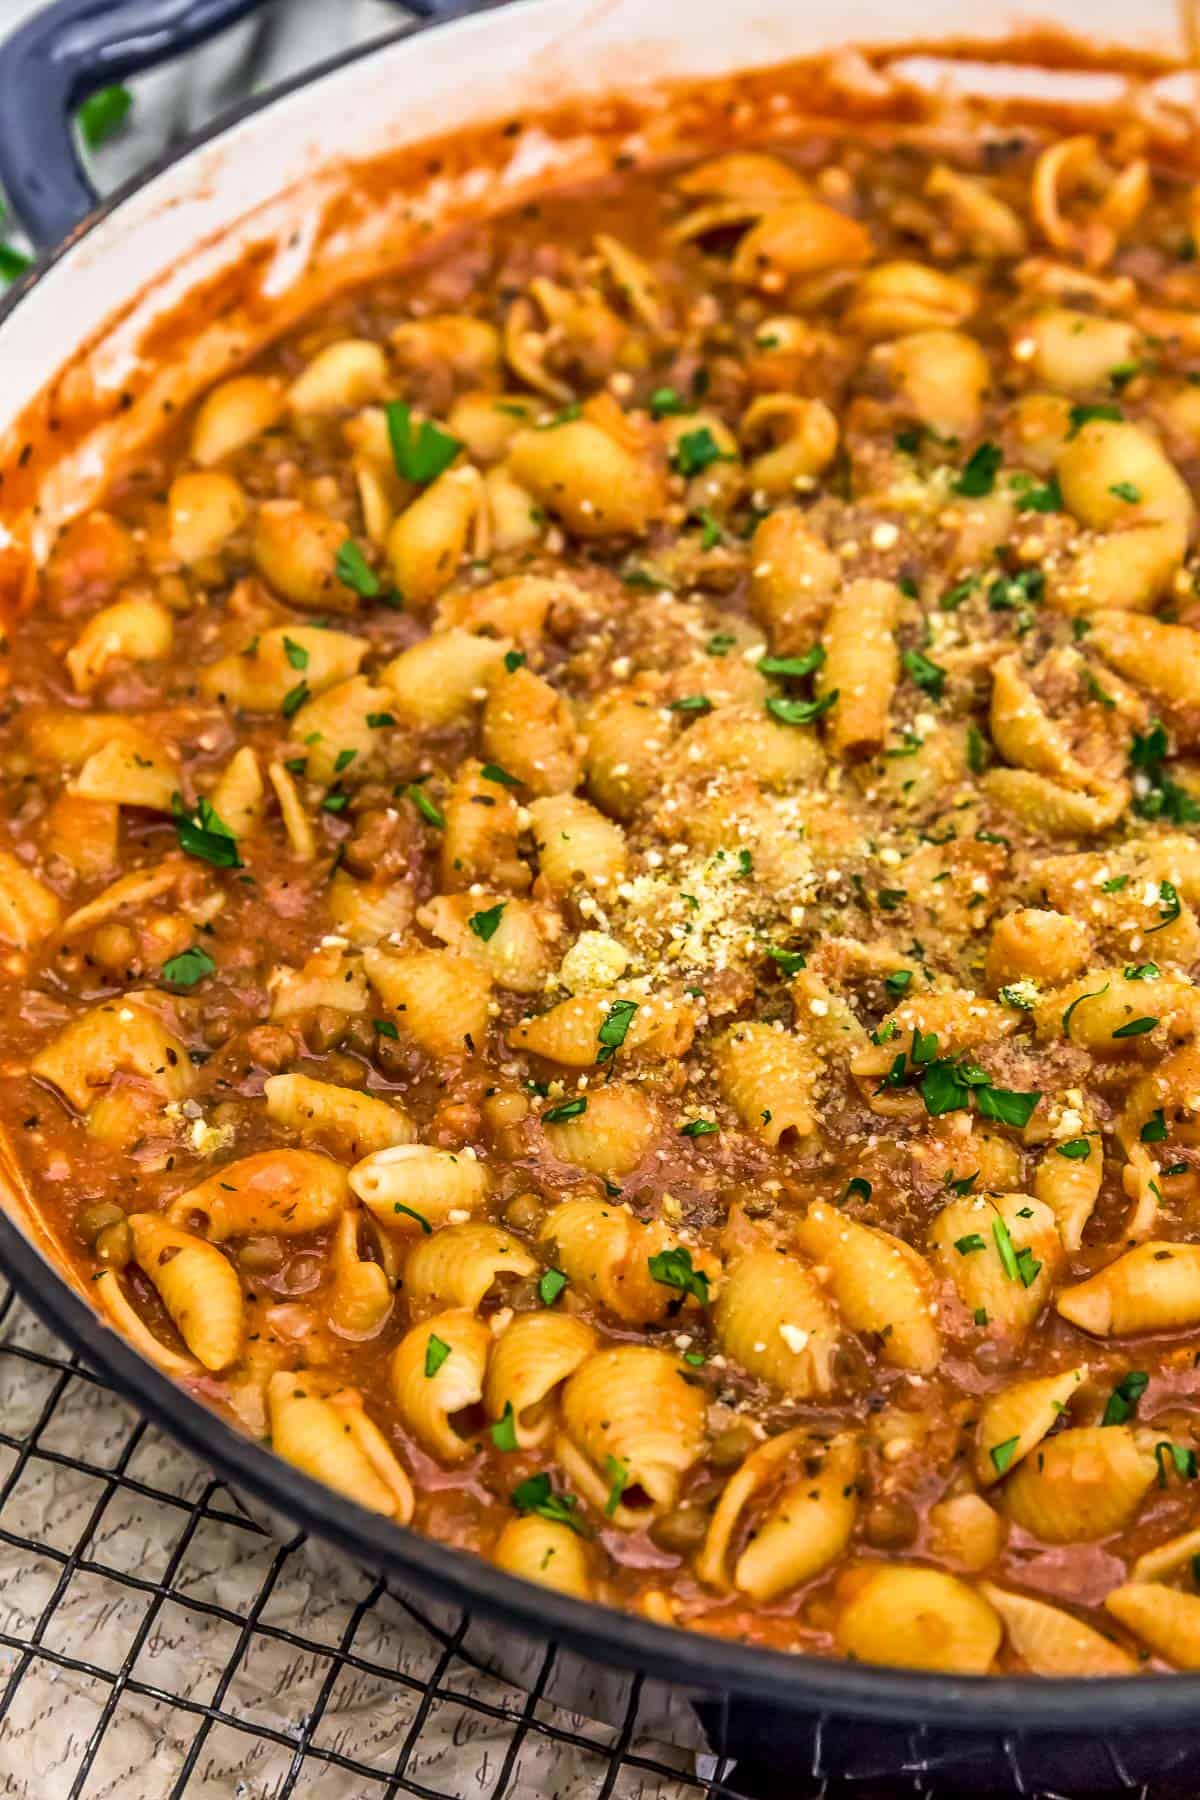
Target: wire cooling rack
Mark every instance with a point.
(156, 1642)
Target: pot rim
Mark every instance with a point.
(692, 1660)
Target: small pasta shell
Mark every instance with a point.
(197, 1285)
(29, 910)
(328, 1442)
(440, 999)
(532, 1358)
(517, 951)
(610, 1136)
(1081, 1485)
(444, 677)
(806, 1525)
(631, 1412)
(916, 1618)
(286, 1193)
(528, 729)
(606, 1252)
(1153, 1287)
(772, 1317)
(1167, 1559)
(462, 1265)
(356, 1124)
(430, 1403)
(106, 1285)
(597, 486)
(114, 1037)
(1165, 1619)
(482, 837)
(365, 912)
(295, 551)
(659, 1027)
(576, 845)
(239, 795)
(1070, 1187)
(135, 630)
(130, 775)
(541, 1550)
(204, 509)
(767, 1076)
(1014, 1421)
(965, 1530)
(1010, 1226)
(346, 374)
(361, 1297)
(1052, 1641)
(233, 415)
(414, 1188)
(260, 678)
(429, 539)
(881, 1285)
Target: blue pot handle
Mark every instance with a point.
(53, 62)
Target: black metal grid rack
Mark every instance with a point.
(94, 1498)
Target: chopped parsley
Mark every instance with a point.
(204, 835)
(1169, 907)
(493, 772)
(1147, 971)
(696, 450)
(1037, 496)
(1135, 1028)
(698, 1128)
(793, 667)
(294, 699)
(1122, 1402)
(979, 475)
(930, 677)
(189, 967)
(673, 1268)
(614, 1028)
(296, 654)
(425, 806)
(666, 400)
(691, 703)
(102, 115)
(1156, 794)
(1079, 999)
(419, 456)
(504, 1431)
(536, 1495)
(618, 1481)
(354, 571)
(566, 1109)
(1002, 1454)
(436, 1352)
(551, 1286)
(1125, 490)
(1075, 1149)
(1018, 1265)
(1082, 414)
(967, 1246)
(486, 924)
(898, 982)
(788, 962)
(800, 712)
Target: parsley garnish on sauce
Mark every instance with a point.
(674, 1269)
(979, 475)
(189, 967)
(204, 834)
(419, 456)
(614, 1028)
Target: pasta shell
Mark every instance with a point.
(768, 1077)
(806, 1525)
(881, 1285)
(1081, 1485)
(532, 1358)
(1002, 1253)
(437, 1382)
(197, 1285)
(1052, 1641)
(543, 1551)
(607, 1252)
(338, 1445)
(440, 999)
(460, 1265)
(772, 1317)
(1014, 1421)
(610, 1136)
(354, 1123)
(283, 1192)
(1154, 1287)
(631, 1418)
(569, 1033)
(916, 1618)
(1165, 1619)
(415, 1188)
(114, 1037)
